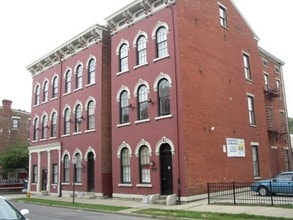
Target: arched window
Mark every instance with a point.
(141, 50)
(36, 129)
(142, 101)
(164, 97)
(123, 58)
(44, 126)
(78, 78)
(78, 118)
(125, 166)
(66, 121)
(55, 87)
(68, 81)
(144, 165)
(124, 107)
(78, 167)
(66, 169)
(91, 115)
(161, 42)
(37, 95)
(91, 71)
(54, 125)
(45, 91)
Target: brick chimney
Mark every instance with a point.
(6, 105)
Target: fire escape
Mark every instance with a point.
(276, 131)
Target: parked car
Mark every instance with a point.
(9, 211)
(281, 184)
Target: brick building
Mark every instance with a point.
(185, 102)
(14, 129)
(70, 129)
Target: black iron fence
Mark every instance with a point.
(242, 193)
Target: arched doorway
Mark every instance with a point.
(91, 172)
(166, 170)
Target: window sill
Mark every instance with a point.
(123, 125)
(54, 98)
(124, 185)
(249, 81)
(161, 58)
(35, 141)
(163, 117)
(122, 72)
(52, 138)
(89, 131)
(142, 121)
(146, 185)
(65, 184)
(76, 184)
(77, 89)
(67, 93)
(65, 135)
(140, 65)
(77, 133)
(253, 126)
(91, 84)
(44, 139)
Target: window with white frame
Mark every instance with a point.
(45, 91)
(246, 64)
(141, 50)
(91, 71)
(15, 122)
(55, 87)
(124, 107)
(36, 129)
(35, 174)
(37, 95)
(78, 168)
(142, 101)
(66, 167)
(44, 126)
(55, 174)
(125, 166)
(67, 121)
(91, 115)
(68, 81)
(144, 165)
(223, 16)
(164, 97)
(78, 81)
(78, 118)
(54, 124)
(123, 58)
(255, 160)
(251, 112)
(161, 42)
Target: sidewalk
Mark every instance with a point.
(200, 206)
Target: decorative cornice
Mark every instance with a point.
(90, 36)
(134, 12)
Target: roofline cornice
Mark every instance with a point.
(270, 56)
(134, 12)
(90, 36)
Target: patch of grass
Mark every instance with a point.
(201, 215)
(86, 206)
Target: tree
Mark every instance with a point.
(290, 122)
(14, 157)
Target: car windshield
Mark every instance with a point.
(284, 177)
(9, 212)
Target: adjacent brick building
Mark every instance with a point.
(182, 100)
(14, 129)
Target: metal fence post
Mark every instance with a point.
(271, 194)
(208, 185)
(234, 194)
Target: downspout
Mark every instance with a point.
(290, 154)
(177, 108)
(59, 126)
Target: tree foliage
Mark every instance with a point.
(290, 122)
(14, 157)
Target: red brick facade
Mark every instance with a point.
(180, 101)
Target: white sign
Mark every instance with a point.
(235, 147)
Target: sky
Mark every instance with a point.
(32, 28)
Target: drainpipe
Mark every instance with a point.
(290, 154)
(177, 108)
(59, 126)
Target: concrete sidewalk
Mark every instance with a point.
(200, 206)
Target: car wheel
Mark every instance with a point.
(263, 191)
